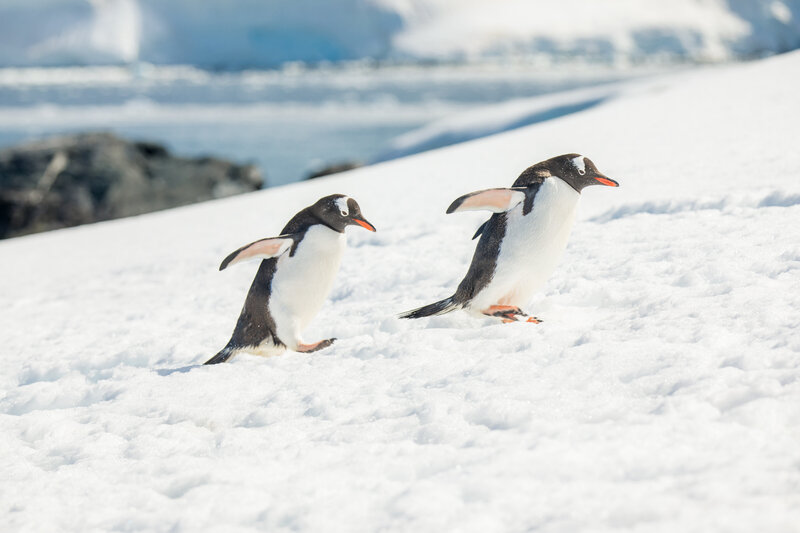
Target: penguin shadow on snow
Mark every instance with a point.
(179, 370)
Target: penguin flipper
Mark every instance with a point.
(480, 230)
(494, 200)
(260, 249)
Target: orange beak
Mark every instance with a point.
(607, 181)
(364, 224)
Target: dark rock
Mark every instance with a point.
(77, 179)
(334, 169)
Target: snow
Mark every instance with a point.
(661, 393)
(248, 33)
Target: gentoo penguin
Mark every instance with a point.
(295, 276)
(522, 241)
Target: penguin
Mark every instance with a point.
(295, 276)
(523, 240)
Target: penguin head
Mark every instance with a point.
(338, 211)
(576, 170)
(580, 172)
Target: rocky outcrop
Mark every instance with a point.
(77, 179)
(334, 169)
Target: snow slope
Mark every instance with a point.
(662, 392)
(247, 33)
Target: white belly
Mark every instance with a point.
(532, 247)
(302, 282)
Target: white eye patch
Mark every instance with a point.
(580, 164)
(341, 203)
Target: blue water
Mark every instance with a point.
(288, 122)
(284, 152)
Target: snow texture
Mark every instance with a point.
(248, 33)
(662, 392)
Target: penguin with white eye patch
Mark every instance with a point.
(522, 242)
(295, 276)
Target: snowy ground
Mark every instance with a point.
(662, 392)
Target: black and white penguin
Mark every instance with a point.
(295, 276)
(523, 241)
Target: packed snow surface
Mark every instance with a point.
(661, 393)
(232, 34)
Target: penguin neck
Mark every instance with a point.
(317, 219)
(568, 182)
(325, 224)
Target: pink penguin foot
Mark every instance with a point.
(510, 313)
(308, 348)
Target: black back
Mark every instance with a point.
(484, 260)
(255, 324)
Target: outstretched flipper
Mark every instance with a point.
(494, 200)
(260, 249)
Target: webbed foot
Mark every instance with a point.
(316, 346)
(510, 313)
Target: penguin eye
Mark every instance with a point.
(344, 213)
(581, 171)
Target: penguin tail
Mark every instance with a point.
(222, 356)
(437, 308)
